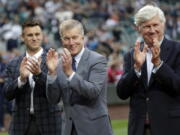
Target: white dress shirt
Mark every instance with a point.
(150, 65)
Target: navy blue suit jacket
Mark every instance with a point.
(161, 98)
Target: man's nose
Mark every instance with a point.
(71, 41)
(34, 37)
(152, 29)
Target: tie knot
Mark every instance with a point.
(73, 59)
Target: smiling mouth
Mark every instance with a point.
(73, 48)
(35, 43)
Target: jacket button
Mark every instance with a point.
(147, 99)
(70, 118)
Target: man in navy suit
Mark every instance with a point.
(25, 85)
(152, 78)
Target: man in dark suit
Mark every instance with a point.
(80, 80)
(25, 84)
(152, 78)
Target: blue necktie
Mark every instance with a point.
(73, 64)
(74, 96)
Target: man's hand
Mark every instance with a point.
(155, 49)
(67, 62)
(139, 56)
(24, 72)
(33, 65)
(52, 61)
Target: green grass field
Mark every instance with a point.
(3, 133)
(119, 127)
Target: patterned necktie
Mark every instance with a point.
(73, 64)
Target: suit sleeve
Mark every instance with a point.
(129, 80)
(169, 76)
(53, 89)
(97, 79)
(10, 88)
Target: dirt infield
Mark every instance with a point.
(118, 112)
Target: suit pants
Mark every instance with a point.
(147, 129)
(32, 128)
(73, 131)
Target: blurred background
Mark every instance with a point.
(109, 27)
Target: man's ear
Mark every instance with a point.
(137, 28)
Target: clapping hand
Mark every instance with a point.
(24, 72)
(155, 49)
(139, 56)
(52, 61)
(33, 65)
(67, 62)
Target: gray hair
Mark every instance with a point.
(70, 24)
(147, 12)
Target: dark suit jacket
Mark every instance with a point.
(84, 97)
(161, 98)
(48, 116)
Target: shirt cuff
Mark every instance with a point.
(51, 78)
(155, 69)
(71, 76)
(20, 83)
(138, 73)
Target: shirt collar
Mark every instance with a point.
(37, 55)
(79, 55)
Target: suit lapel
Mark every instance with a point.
(83, 61)
(165, 52)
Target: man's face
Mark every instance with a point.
(73, 40)
(32, 37)
(152, 29)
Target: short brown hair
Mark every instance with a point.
(31, 23)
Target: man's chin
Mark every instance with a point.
(35, 48)
(73, 52)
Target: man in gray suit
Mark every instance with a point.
(80, 79)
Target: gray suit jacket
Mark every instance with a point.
(88, 109)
